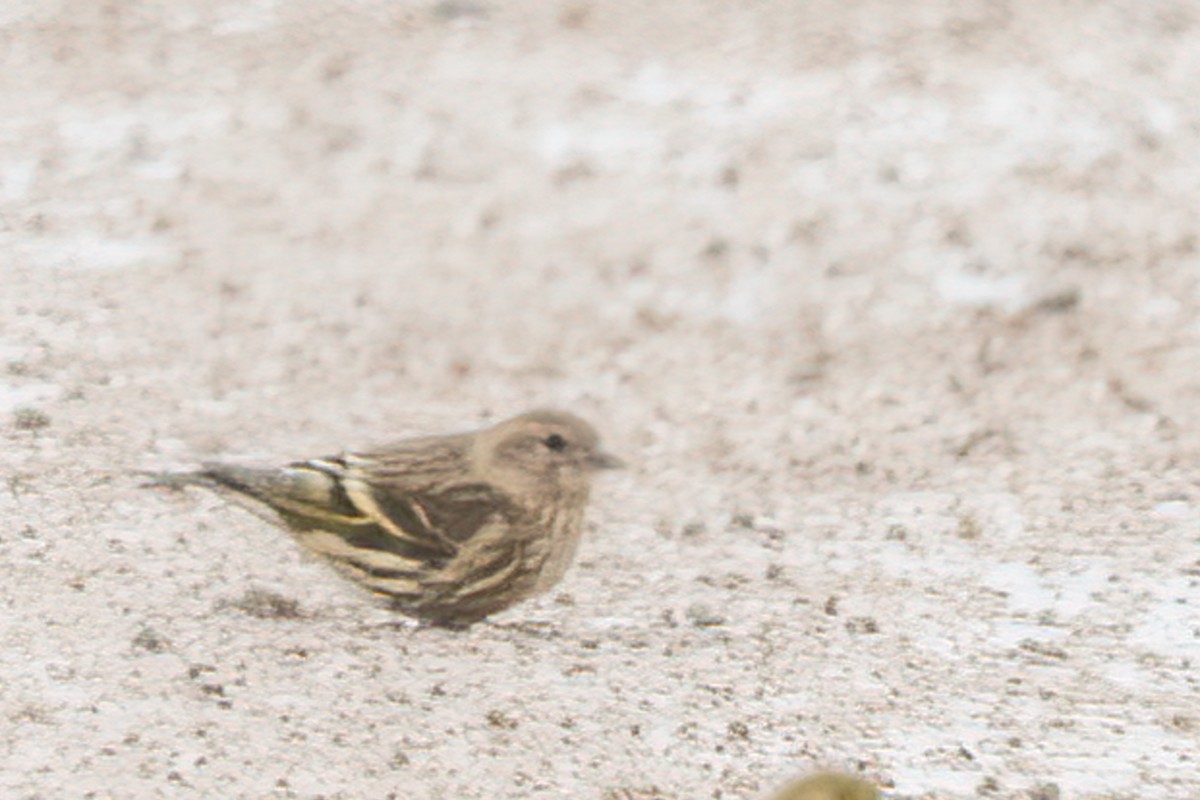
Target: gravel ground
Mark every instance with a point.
(892, 308)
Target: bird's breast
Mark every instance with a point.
(554, 550)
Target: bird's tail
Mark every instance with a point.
(174, 480)
(260, 483)
(224, 479)
(306, 491)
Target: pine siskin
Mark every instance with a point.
(450, 528)
(828, 786)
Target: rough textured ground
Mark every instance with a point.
(892, 306)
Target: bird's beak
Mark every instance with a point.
(602, 460)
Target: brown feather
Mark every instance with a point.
(451, 528)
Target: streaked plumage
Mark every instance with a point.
(450, 528)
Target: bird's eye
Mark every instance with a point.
(555, 442)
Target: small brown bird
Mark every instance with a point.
(828, 786)
(450, 528)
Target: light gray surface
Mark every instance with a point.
(893, 308)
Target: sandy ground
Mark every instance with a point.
(893, 307)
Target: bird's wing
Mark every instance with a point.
(338, 498)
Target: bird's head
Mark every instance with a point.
(543, 450)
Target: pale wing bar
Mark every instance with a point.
(326, 495)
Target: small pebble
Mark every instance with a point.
(30, 419)
(702, 616)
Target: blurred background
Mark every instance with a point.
(894, 304)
